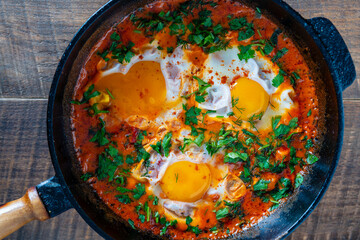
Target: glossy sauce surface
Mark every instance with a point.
(148, 99)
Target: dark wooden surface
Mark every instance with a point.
(33, 36)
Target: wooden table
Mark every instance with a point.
(33, 36)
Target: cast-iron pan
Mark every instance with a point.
(326, 54)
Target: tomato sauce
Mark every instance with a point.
(124, 136)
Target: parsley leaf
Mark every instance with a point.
(167, 224)
(191, 115)
(190, 228)
(100, 135)
(275, 121)
(278, 80)
(87, 95)
(107, 167)
(86, 176)
(237, 23)
(124, 198)
(247, 33)
(308, 144)
(166, 143)
(279, 54)
(311, 158)
(222, 213)
(139, 190)
(157, 147)
(234, 157)
(298, 180)
(234, 209)
(261, 185)
(202, 84)
(198, 141)
(131, 222)
(93, 110)
(274, 36)
(245, 175)
(283, 189)
(309, 113)
(268, 48)
(246, 53)
(163, 146)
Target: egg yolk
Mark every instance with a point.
(250, 98)
(186, 181)
(142, 91)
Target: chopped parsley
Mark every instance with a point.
(201, 93)
(308, 144)
(311, 158)
(118, 50)
(88, 94)
(237, 23)
(309, 113)
(137, 192)
(278, 80)
(167, 224)
(246, 53)
(131, 222)
(282, 190)
(234, 157)
(124, 198)
(235, 210)
(261, 185)
(163, 146)
(283, 129)
(109, 161)
(222, 213)
(191, 115)
(279, 54)
(93, 110)
(298, 180)
(274, 36)
(198, 141)
(86, 176)
(246, 32)
(190, 228)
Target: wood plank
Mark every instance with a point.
(34, 34)
(33, 37)
(338, 214)
(25, 162)
(345, 15)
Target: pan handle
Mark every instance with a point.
(17, 213)
(53, 197)
(337, 53)
(42, 202)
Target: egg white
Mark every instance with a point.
(174, 67)
(158, 167)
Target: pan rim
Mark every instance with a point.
(103, 10)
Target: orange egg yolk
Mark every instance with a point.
(250, 98)
(142, 91)
(186, 181)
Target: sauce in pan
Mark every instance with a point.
(195, 119)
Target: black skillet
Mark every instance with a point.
(327, 55)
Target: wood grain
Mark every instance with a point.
(33, 36)
(25, 162)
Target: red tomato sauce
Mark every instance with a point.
(124, 136)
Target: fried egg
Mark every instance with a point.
(148, 85)
(147, 94)
(244, 88)
(187, 182)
